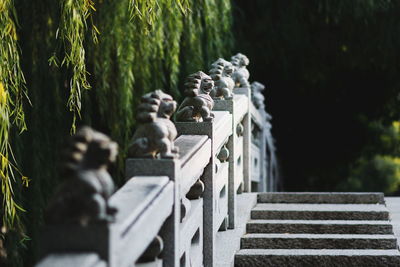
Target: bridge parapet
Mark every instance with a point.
(182, 180)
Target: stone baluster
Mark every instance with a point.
(193, 118)
(242, 87)
(152, 153)
(264, 139)
(235, 77)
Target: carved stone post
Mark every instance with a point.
(242, 86)
(272, 173)
(218, 129)
(227, 75)
(152, 153)
(264, 139)
(235, 158)
(266, 171)
(79, 217)
(215, 202)
(246, 139)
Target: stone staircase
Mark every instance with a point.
(319, 229)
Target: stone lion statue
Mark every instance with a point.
(221, 72)
(83, 197)
(197, 105)
(156, 133)
(257, 95)
(241, 74)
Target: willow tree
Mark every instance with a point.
(12, 94)
(86, 62)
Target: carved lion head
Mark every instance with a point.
(90, 149)
(221, 68)
(167, 105)
(207, 84)
(240, 60)
(198, 83)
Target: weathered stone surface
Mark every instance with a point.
(320, 212)
(241, 74)
(220, 129)
(319, 227)
(159, 167)
(137, 197)
(223, 154)
(185, 208)
(325, 257)
(215, 208)
(72, 259)
(221, 72)
(298, 233)
(144, 204)
(196, 191)
(328, 198)
(224, 226)
(60, 239)
(258, 116)
(188, 146)
(228, 242)
(257, 95)
(393, 205)
(194, 156)
(156, 132)
(238, 107)
(191, 235)
(156, 263)
(171, 169)
(317, 241)
(153, 250)
(197, 105)
(83, 197)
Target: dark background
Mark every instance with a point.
(331, 71)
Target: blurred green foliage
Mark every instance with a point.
(103, 56)
(378, 169)
(378, 174)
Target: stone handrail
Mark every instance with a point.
(170, 209)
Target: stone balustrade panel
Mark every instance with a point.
(144, 203)
(171, 207)
(215, 181)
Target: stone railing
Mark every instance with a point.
(182, 179)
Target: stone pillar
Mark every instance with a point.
(209, 195)
(89, 227)
(170, 231)
(235, 158)
(214, 208)
(152, 153)
(246, 140)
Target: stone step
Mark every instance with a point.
(317, 241)
(320, 212)
(319, 227)
(316, 257)
(327, 198)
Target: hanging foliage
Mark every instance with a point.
(12, 94)
(143, 45)
(73, 26)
